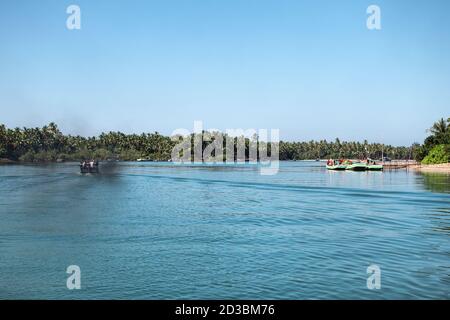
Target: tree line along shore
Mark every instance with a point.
(49, 144)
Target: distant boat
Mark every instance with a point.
(89, 167)
(144, 160)
(353, 166)
(336, 165)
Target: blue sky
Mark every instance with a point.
(309, 68)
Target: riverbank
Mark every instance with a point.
(432, 168)
(4, 160)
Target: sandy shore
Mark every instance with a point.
(433, 168)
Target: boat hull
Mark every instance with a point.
(375, 167)
(337, 167)
(89, 170)
(357, 167)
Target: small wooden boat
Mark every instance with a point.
(89, 167)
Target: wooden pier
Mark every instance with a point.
(398, 164)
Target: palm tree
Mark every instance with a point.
(440, 133)
(439, 128)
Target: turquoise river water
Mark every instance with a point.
(163, 231)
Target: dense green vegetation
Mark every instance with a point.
(439, 154)
(436, 147)
(341, 149)
(50, 144)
